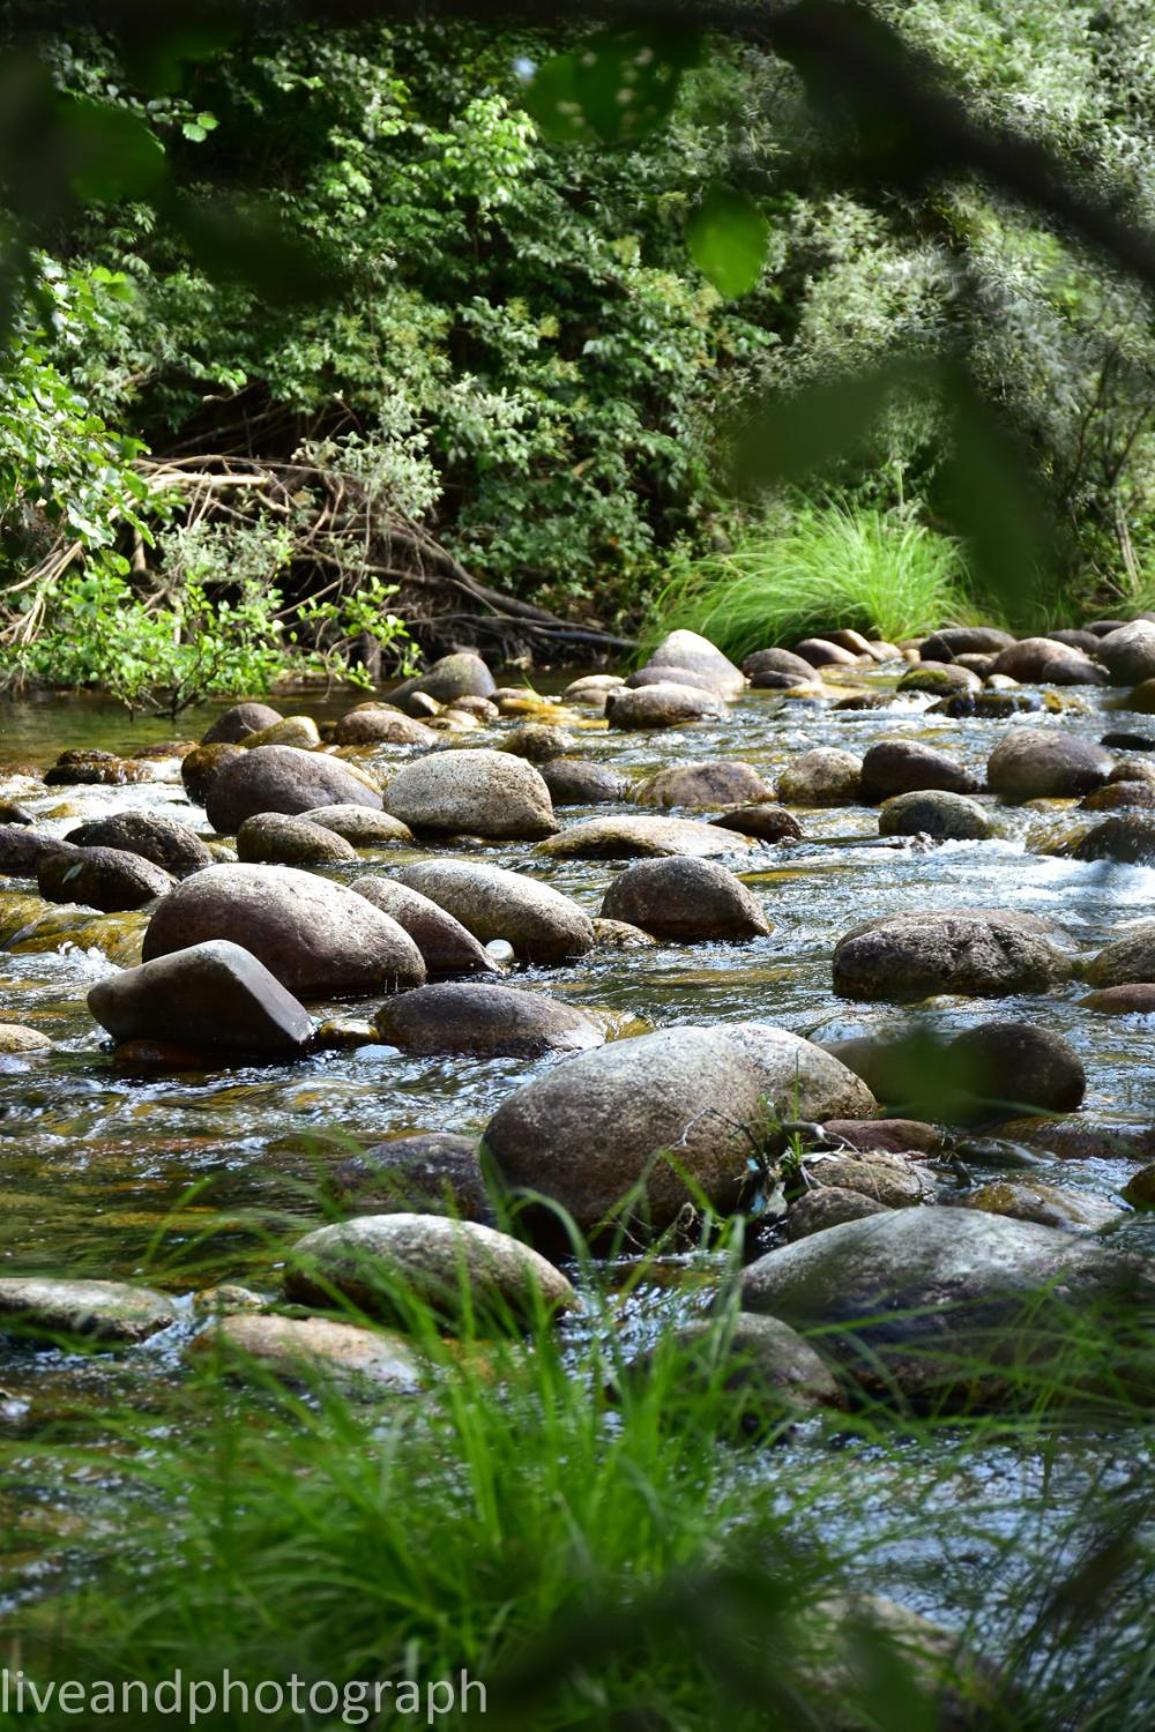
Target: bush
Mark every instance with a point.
(820, 569)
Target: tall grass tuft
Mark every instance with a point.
(820, 568)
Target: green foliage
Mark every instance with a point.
(817, 569)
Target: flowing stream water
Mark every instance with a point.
(179, 1179)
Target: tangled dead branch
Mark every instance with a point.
(340, 533)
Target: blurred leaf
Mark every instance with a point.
(990, 496)
(785, 438)
(108, 154)
(727, 236)
(614, 88)
(255, 247)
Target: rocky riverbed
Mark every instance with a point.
(853, 939)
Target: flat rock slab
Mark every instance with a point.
(214, 996)
(628, 838)
(113, 1313)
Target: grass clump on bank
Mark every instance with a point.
(600, 1549)
(819, 569)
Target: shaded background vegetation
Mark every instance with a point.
(499, 362)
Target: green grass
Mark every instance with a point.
(603, 1551)
(821, 568)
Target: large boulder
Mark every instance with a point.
(484, 1021)
(638, 1126)
(319, 939)
(278, 840)
(238, 722)
(448, 948)
(946, 1305)
(685, 900)
(984, 953)
(1044, 661)
(1128, 654)
(822, 777)
(943, 817)
(718, 782)
(539, 922)
(472, 793)
(686, 649)
(104, 878)
(1043, 764)
(902, 766)
(632, 838)
(665, 705)
(461, 1270)
(282, 779)
(153, 835)
(214, 996)
(104, 1313)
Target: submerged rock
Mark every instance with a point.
(316, 937)
(636, 1127)
(15, 1038)
(629, 837)
(484, 1021)
(386, 1264)
(983, 953)
(474, 793)
(108, 1313)
(214, 996)
(685, 900)
(539, 922)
